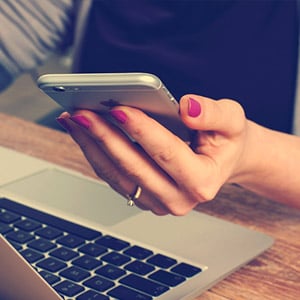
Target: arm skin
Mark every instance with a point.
(174, 176)
(275, 165)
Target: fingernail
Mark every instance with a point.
(81, 121)
(63, 123)
(119, 115)
(194, 108)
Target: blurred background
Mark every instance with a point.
(24, 99)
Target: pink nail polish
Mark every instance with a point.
(81, 121)
(119, 115)
(194, 108)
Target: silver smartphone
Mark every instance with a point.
(100, 92)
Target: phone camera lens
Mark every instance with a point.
(59, 89)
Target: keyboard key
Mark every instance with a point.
(186, 270)
(138, 252)
(112, 243)
(49, 233)
(116, 258)
(139, 267)
(125, 293)
(9, 217)
(49, 277)
(20, 236)
(81, 231)
(31, 256)
(110, 271)
(51, 264)
(162, 261)
(41, 245)
(28, 225)
(17, 246)
(98, 283)
(75, 274)
(63, 253)
(92, 249)
(144, 285)
(87, 262)
(80, 267)
(68, 288)
(71, 241)
(91, 295)
(167, 278)
(5, 228)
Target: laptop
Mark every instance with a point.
(64, 235)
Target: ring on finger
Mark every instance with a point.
(134, 196)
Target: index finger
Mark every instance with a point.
(170, 152)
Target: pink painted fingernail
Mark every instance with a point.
(63, 123)
(194, 108)
(119, 115)
(81, 121)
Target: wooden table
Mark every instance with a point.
(273, 275)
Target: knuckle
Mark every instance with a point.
(180, 211)
(203, 194)
(102, 137)
(159, 212)
(203, 187)
(135, 132)
(234, 106)
(181, 207)
(136, 127)
(165, 154)
(237, 112)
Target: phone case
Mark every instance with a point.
(100, 92)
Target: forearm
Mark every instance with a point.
(272, 165)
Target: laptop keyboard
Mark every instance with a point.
(83, 263)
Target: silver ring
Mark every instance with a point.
(134, 196)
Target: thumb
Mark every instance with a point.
(200, 113)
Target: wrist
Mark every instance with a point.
(253, 162)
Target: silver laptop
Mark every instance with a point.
(67, 236)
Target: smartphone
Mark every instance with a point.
(100, 92)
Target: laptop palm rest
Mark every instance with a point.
(65, 194)
(220, 246)
(89, 202)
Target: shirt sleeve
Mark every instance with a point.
(31, 30)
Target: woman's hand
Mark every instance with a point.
(173, 175)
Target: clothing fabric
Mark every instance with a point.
(38, 28)
(243, 50)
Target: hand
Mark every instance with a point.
(174, 176)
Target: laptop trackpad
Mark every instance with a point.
(65, 194)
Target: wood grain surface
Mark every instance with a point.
(273, 275)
